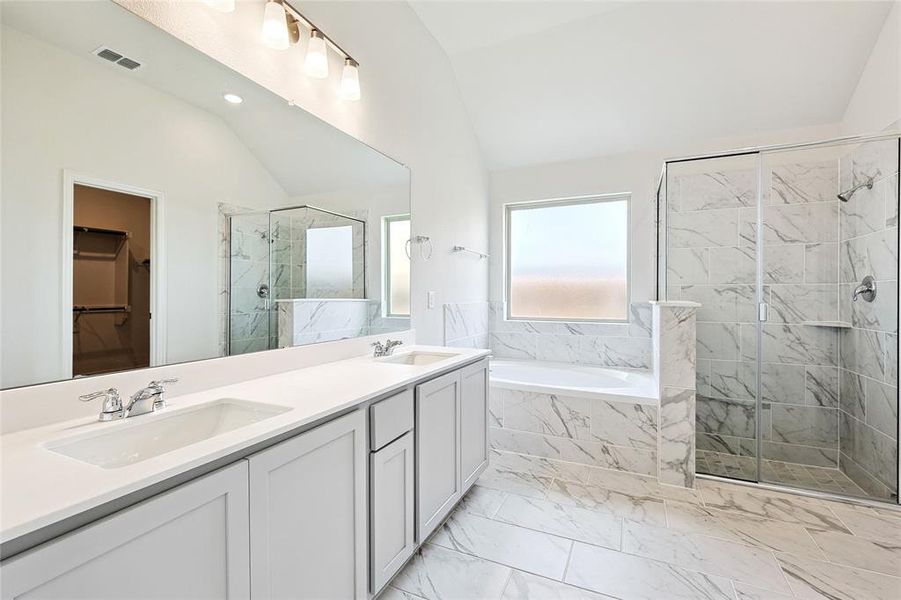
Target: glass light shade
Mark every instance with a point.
(316, 62)
(226, 6)
(350, 81)
(275, 26)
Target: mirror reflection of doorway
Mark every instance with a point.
(111, 275)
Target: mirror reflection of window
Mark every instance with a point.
(397, 266)
(330, 262)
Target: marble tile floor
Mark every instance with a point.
(519, 536)
(807, 477)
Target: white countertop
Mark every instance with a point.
(41, 487)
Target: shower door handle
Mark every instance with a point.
(763, 310)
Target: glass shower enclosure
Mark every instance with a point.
(287, 255)
(792, 252)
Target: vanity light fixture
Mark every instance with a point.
(350, 81)
(316, 62)
(233, 98)
(226, 6)
(281, 29)
(275, 26)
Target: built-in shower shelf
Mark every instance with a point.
(836, 324)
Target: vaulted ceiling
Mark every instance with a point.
(550, 81)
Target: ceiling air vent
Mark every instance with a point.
(116, 57)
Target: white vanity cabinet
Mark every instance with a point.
(308, 533)
(189, 542)
(451, 441)
(473, 422)
(392, 539)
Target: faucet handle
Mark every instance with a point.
(100, 394)
(112, 403)
(159, 383)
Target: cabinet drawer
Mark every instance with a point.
(390, 419)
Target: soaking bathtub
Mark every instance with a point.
(561, 379)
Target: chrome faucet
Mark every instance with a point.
(386, 349)
(145, 400)
(148, 399)
(866, 290)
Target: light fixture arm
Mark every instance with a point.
(296, 14)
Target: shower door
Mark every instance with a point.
(828, 363)
(249, 324)
(711, 258)
(775, 244)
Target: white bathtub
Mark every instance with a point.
(563, 379)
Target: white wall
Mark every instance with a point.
(50, 112)
(636, 173)
(411, 110)
(876, 101)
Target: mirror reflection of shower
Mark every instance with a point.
(296, 275)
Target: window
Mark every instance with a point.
(568, 260)
(397, 266)
(330, 260)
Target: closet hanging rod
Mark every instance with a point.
(471, 251)
(101, 309)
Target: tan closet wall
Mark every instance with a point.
(104, 342)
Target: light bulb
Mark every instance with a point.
(350, 81)
(275, 26)
(316, 62)
(221, 5)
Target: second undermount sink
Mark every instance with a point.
(128, 443)
(418, 358)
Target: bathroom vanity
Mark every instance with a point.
(324, 496)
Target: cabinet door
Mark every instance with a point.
(189, 542)
(308, 532)
(437, 451)
(391, 516)
(473, 422)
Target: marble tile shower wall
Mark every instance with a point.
(624, 345)
(246, 323)
(711, 259)
(868, 396)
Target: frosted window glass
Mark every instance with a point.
(330, 259)
(569, 260)
(397, 234)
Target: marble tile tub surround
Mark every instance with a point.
(674, 368)
(868, 352)
(711, 259)
(517, 536)
(466, 324)
(624, 345)
(309, 321)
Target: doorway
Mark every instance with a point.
(111, 280)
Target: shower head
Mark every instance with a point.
(846, 195)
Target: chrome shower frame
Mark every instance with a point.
(660, 293)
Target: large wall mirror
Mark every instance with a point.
(157, 207)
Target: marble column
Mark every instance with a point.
(674, 371)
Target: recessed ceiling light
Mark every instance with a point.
(233, 98)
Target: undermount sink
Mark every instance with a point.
(129, 443)
(417, 358)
